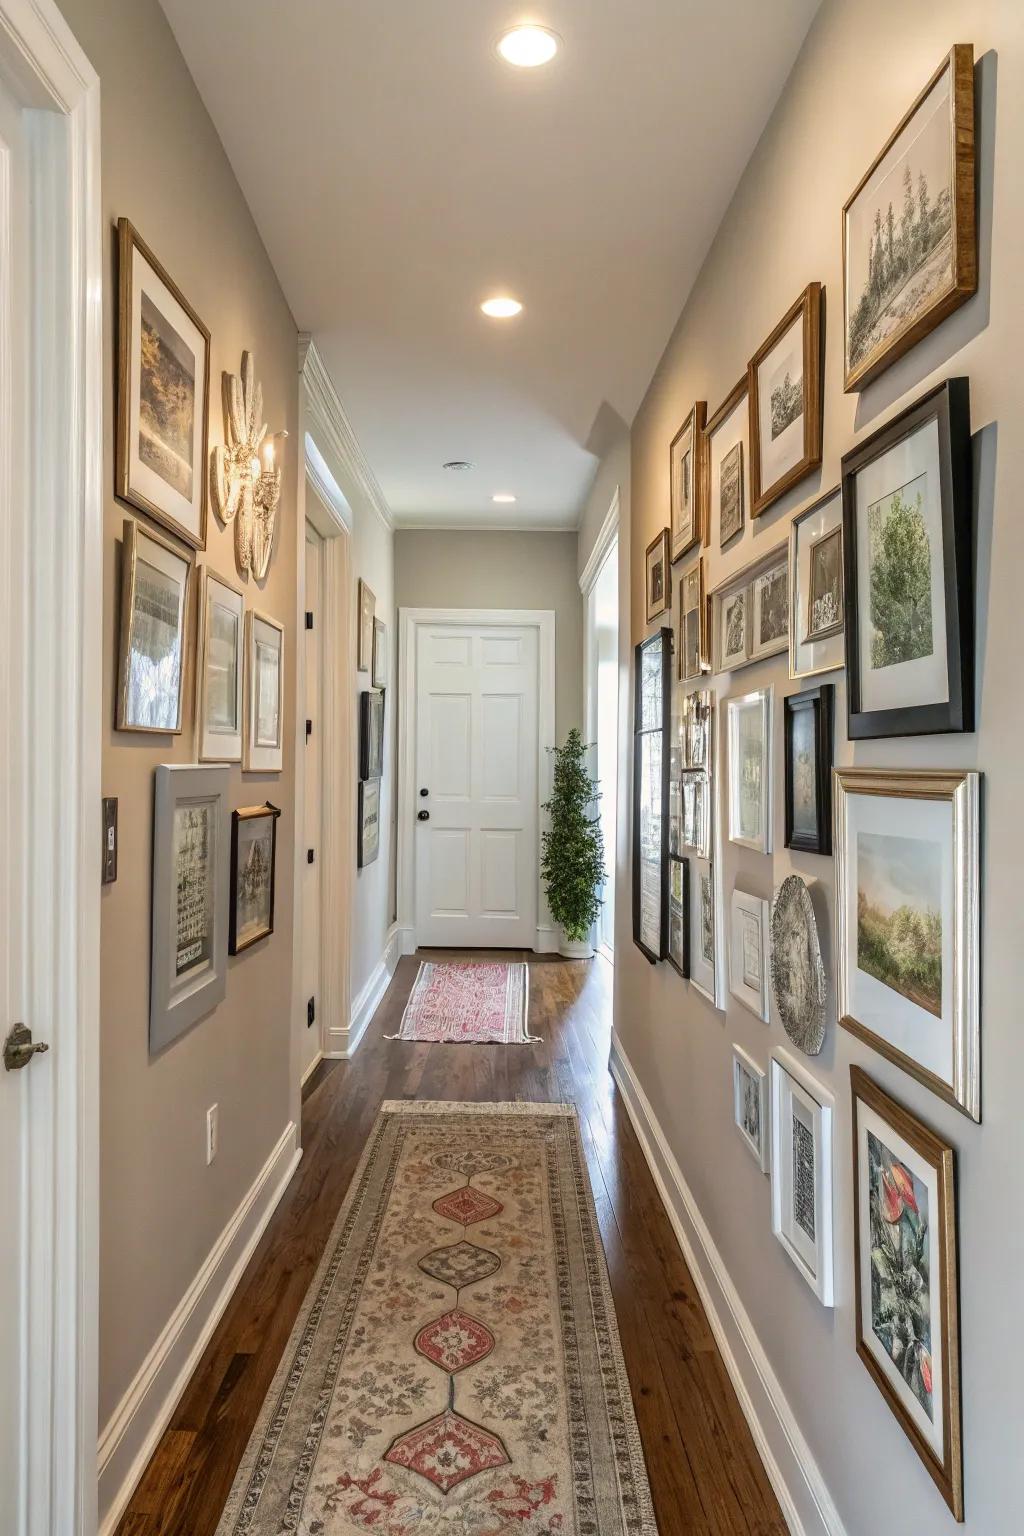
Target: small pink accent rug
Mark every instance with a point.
(468, 1004)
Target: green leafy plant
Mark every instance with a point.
(572, 866)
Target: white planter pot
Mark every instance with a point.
(574, 949)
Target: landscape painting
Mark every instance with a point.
(900, 574)
(899, 915)
(167, 400)
(901, 1292)
(825, 586)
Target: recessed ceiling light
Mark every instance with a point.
(504, 497)
(457, 464)
(501, 307)
(527, 46)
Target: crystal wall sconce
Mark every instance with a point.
(245, 477)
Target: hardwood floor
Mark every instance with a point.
(705, 1473)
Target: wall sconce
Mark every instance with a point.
(245, 476)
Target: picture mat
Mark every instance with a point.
(733, 625)
(734, 429)
(772, 581)
(748, 952)
(704, 973)
(222, 683)
(804, 746)
(748, 722)
(792, 1096)
(807, 657)
(681, 527)
(262, 631)
(151, 687)
(254, 915)
(746, 1071)
(781, 454)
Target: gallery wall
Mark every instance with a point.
(828, 1432)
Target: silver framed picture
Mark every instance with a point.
(264, 694)
(220, 670)
(750, 1105)
(155, 583)
(748, 749)
(706, 947)
(801, 1114)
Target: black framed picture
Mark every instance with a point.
(678, 954)
(253, 870)
(907, 531)
(808, 751)
(371, 734)
(651, 727)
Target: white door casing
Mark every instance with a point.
(313, 800)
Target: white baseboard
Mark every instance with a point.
(794, 1474)
(342, 1044)
(546, 942)
(317, 1059)
(407, 940)
(142, 1415)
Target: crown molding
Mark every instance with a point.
(420, 525)
(602, 544)
(330, 429)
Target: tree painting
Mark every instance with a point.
(167, 391)
(900, 1279)
(787, 403)
(899, 915)
(899, 561)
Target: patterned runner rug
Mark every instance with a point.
(468, 1004)
(456, 1364)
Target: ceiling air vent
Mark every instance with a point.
(457, 464)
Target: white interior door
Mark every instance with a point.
(475, 798)
(313, 809)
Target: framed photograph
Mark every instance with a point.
(368, 838)
(797, 972)
(679, 915)
(706, 948)
(748, 742)
(253, 868)
(686, 480)
(769, 610)
(264, 701)
(907, 550)
(748, 952)
(651, 725)
(816, 588)
(659, 577)
(691, 651)
(733, 639)
(725, 455)
(163, 394)
(750, 1105)
(364, 640)
(910, 251)
(155, 583)
(697, 713)
(189, 957)
(907, 922)
(696, 811)
(371, 734)
(807, 722)
(905, 1257)
(379, 670)
(784, 389)
(220, 670)
(801, 1117)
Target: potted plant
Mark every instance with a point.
(572, 866)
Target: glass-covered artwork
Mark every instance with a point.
(653, 752)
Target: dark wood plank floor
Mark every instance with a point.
(705, 1473)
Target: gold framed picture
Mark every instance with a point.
(155, 586)
(686, 481)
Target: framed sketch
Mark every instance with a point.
(748, 742)
(697, 714)
(910, 253)
(706, 962)
(797, 972)
(264, 700)
(163, 390)
(807, 723)
(188, 975)
(651, 724)
(253, 870)
(731, 627)
(725, 456)
(801, 1116)
(371, 734)
(368, 838)
(784, 390)
(905, 1258)
(658, 577)
(750, 1105)
(379, 670)
(696, 811)
(816, 588)
(769, 610)
(220, 670)
(907, 549)
(679, 915)
(730, 493)
(748, 952)
(686, 481)
(907, 923)
(366, 604)
(155, 584)
(691, 649)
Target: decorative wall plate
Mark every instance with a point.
(797, 972)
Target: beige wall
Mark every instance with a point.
(863, 63)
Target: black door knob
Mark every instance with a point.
(424, 793)
(422, 815)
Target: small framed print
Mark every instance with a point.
(725, 456)
(801, 1116)
(368, 840)
(659, 577)
(697, 714)
(253, 871)
(679, 915)
(750, 1105)
(748, 952)
(816, 588)
(807, 722)
(220, 670)
(784, 388)
(696, 811)
(371, 734)
(691, 656)
(731, 629)
(748, 745)
(379, 670)
(155, 584)
(364, 640)
(905, 1264)
(769, 610)
(686, 481)
(651, 779)
(706, 962)
(264, 703)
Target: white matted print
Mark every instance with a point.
(748, 952)
(705, 936)
(732, 638)
(769, 610)
(801, 1114)
(155, 579)
(727, 470)
(220, 670)
(816, 588)
(748, 747)
(750, 1105)
(264, 700)
(780, 404)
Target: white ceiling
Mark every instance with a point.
(399, 172)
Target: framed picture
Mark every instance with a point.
(905, 1257)
(679, 915)
(697, 714)
(368, 840)
(748, 741)
(706, 963)
(907, 550)
(801, 1117)
(725, 455)
(686, 480)
(364, 641)
(379, 670)
(188, 975)
(733, 639)
(651, 723)
(220, 670)
(748, 952)
(371, 734)
(769, 610)
(910, 252)
(253, 870)
(696, 811)
(797, 972)
(659, 577)
(163, 394)
(264, 702)
(750, 1105)
(784, 390)
(691, 651)
(807, 722)
(816, 588)
(907, 923)
(155, 583)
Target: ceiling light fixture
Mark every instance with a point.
(501, 307)
(504, 498)
(528, 46)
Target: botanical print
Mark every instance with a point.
(167, 400)
(730, 494)
(254, 881)
(734, 626)
(154, 649)
(772, 606)
(751, 950)
(268, 677)
(707, 919)
(899, 915)
(786, 401)
(899, 562)
(825, 586)
(803, 1176)
(750, 1105)
(804, 768)
(222, 657)
(901, 1299)
(194, 852)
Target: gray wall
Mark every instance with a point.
(863, 63)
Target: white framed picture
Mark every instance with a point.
(705, 937)
(732, 640)
(801, 1114)
(748, 742)
(264, 698)
(816, 641)
(727, 450)
(748, 952)
(750, 1105)
(379, 670)
(220, 670)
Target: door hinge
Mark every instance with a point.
(310, 1012)
(310, 855)
(309, 729)
(309, 618)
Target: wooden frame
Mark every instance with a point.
(827, 513)
(232, 752)
(789, 1081)
(964, 278)
(694, 424)
(658, 547)
(760, 649)
(819, 702)
(742, 581)
(721, 415)
(947, 1472)
(683, 672)
(371, 733)
(808, 308)
(949, 407)
(251, 813)
(257, 756)
(662, 638)
(680, 907)
(132, 532)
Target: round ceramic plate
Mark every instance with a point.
(798, 975)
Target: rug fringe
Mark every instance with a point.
(462, 1107)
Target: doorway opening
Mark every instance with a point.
(602, 716)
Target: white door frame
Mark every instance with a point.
(607, 535)
(62, 627)
(409, 620)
